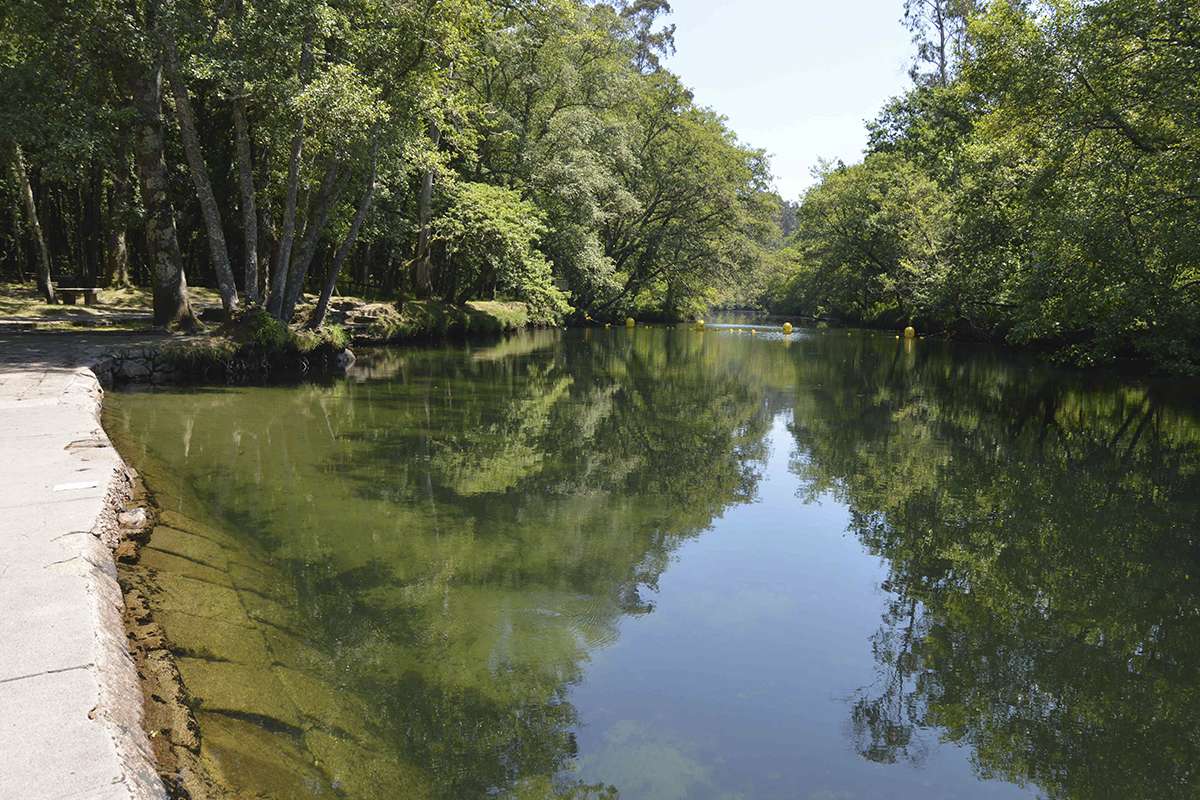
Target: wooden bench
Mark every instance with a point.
(69, 294)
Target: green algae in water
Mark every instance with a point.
(672, 564)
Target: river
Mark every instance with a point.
(665, 563)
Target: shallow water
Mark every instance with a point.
(662, 563)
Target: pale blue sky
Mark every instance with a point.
(796, 78)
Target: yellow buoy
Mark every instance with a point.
(753, 332)
(910, 332)
(608, 324)
(629, 323)
(787, 327)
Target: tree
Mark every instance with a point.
(939, 32)
(488, 237)
(45, 285)
(171, 304)
(644, 202)
(1059, 142)
(198, 169)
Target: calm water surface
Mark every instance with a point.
(669, 564)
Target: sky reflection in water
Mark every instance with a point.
(675, 564)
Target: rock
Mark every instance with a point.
(269, 763)
(134, 518)
(126, 552)
(192, 546)
(162, 561)
(359, 772)
(345, 359)
(134, 369)
(328, 705)
(248, 692)
(200, 598)
(213, 639)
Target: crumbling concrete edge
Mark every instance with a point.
(120, 705)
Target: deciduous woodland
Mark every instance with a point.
(1038, 184)
(534, 150)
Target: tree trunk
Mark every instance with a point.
(317, 217)
(20, 258)
(249, 214)
(362, 269)
(287, 235)
(204, 192)
(45, 285)
(388, 284)
(171, 306)
(267, 239)
(268, 245)
(360, 215)
(92, 240)
(116, 251)
(423, 267)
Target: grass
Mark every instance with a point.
(258, 331)
(427, 319)
(117, 309)
(128, 309)
(253, 341)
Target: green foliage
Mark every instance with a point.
(1049, 191)
(305, 340)
(426, 319)
(1036, 530)
(259, 329)
(451, 632)
(257, 333)
(870, 244)
(488, 235)
(201, 355)
(541, 144)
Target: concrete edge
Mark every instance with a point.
(120, 705)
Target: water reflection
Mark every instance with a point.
(458, 530)
(444, 576)
(1040, 532)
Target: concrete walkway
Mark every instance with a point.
(70, 702)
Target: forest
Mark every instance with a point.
(1038, 184)
(534, 150)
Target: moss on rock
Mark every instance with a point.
(428, 319)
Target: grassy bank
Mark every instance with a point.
(415, 320)
(255, 346)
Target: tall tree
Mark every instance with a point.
(120, 200)
(171, 304)
(194, 153)
(21, 175)
(343, 250)
(283, 254)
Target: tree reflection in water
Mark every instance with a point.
(453, 532)
(1041, 535)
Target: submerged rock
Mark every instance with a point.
(135, 518)
(251, 758)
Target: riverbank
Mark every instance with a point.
(87, 670)
(71, 719)
(92, 697)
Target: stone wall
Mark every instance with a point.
(162, 365)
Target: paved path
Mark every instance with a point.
(70, 703)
